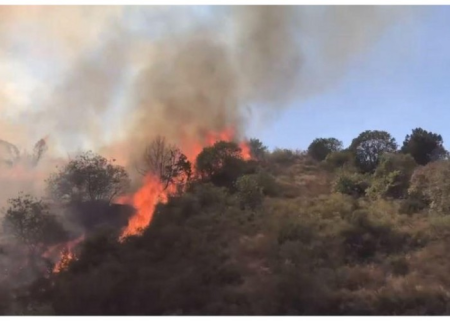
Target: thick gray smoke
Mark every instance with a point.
(112, 78)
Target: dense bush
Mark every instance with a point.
(412, 205)
(249, 192)
(282, 234)
(353, 184)
(431, 185)
(283, 156)
(392, 176)
(339, 159)
(319, 149)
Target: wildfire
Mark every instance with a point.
(144, 201)
(64, 253)
(193, 148)
(152, 192)
(66, 257)
(245, 151)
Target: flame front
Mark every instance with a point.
(152, 192)
(64, 253)
(144, 201)
(245, 151)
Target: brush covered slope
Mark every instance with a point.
(329, 231)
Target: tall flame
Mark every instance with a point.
(245, 151)
(152, 191)
(144, 201)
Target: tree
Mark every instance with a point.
(166, 162)
(9, 153)
(222, 163)
(424, 146)
(38, 151)
(369, 146)
(320, 148)
(391, 177)
(257, 149)
(430, 184)
(88, 177)
(29, 221)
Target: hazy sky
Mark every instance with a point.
(400, 82)
(388, 88)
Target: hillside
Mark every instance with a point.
(329, 231)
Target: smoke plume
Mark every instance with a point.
(112, 78)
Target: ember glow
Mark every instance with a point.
(63, 253)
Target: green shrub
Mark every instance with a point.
(353, 184)
(267, 183)
(282, 156)
(430, 184)
(365, 238)
(296, 231)
(392, 176)
(249, 192)
(209, 195)
(339, 159)
(440, 226)
(411, 206)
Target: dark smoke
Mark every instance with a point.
(131, 73)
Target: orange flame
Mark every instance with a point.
(66, 257)
(64, 253)
(144, 201)
(152, 192)
(245, 151)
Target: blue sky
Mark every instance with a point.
(401, 82)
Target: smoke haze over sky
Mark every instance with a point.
(390, 87)
(111, 78)
(84, 75)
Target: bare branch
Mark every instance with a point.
(39, 149)
(164, 161)
(9, 153)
